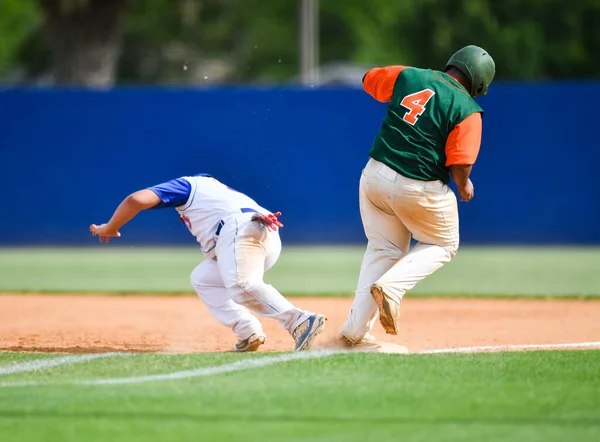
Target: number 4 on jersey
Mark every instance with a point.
(415, 103)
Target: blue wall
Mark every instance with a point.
(68, 157)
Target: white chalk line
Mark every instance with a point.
(244, 364)
(247, 364)
(42, 364)
(499, 348)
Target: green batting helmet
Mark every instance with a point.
(478, 67)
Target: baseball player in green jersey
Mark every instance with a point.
(431, 132)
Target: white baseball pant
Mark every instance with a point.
(233, 282)
(393, 207)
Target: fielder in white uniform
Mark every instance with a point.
(240, 241)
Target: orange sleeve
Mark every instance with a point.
(379, 82)
(462, 145)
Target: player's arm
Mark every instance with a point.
(379, 82)
(172, 193)
(462, 148)
(129, 208)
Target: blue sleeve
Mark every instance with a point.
(173, 193)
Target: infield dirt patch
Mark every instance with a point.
(92, 324)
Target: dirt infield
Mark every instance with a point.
(92, 324)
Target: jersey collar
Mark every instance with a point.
(453, 82)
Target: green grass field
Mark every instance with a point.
(534, 396)
(320, 271)
(524, 396)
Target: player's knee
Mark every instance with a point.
(388, 252)
(452, 250)
(197, 277)
(247, 286)
(250, 285)
(395, 254)
(193, 278)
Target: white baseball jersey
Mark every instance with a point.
(204, 205)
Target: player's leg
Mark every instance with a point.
(208, 284)
(245, 250)
(431, 214)
(308, 328)
(389, 241)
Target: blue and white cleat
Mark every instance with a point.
(308, 330)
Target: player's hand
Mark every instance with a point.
(104, 232)
(270, 221)
(467, 192)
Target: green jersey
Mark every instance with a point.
(425, 106)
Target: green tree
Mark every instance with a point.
(97, 42)
(533, 39)
(223, 40)
(85, 38)
(17, 19)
